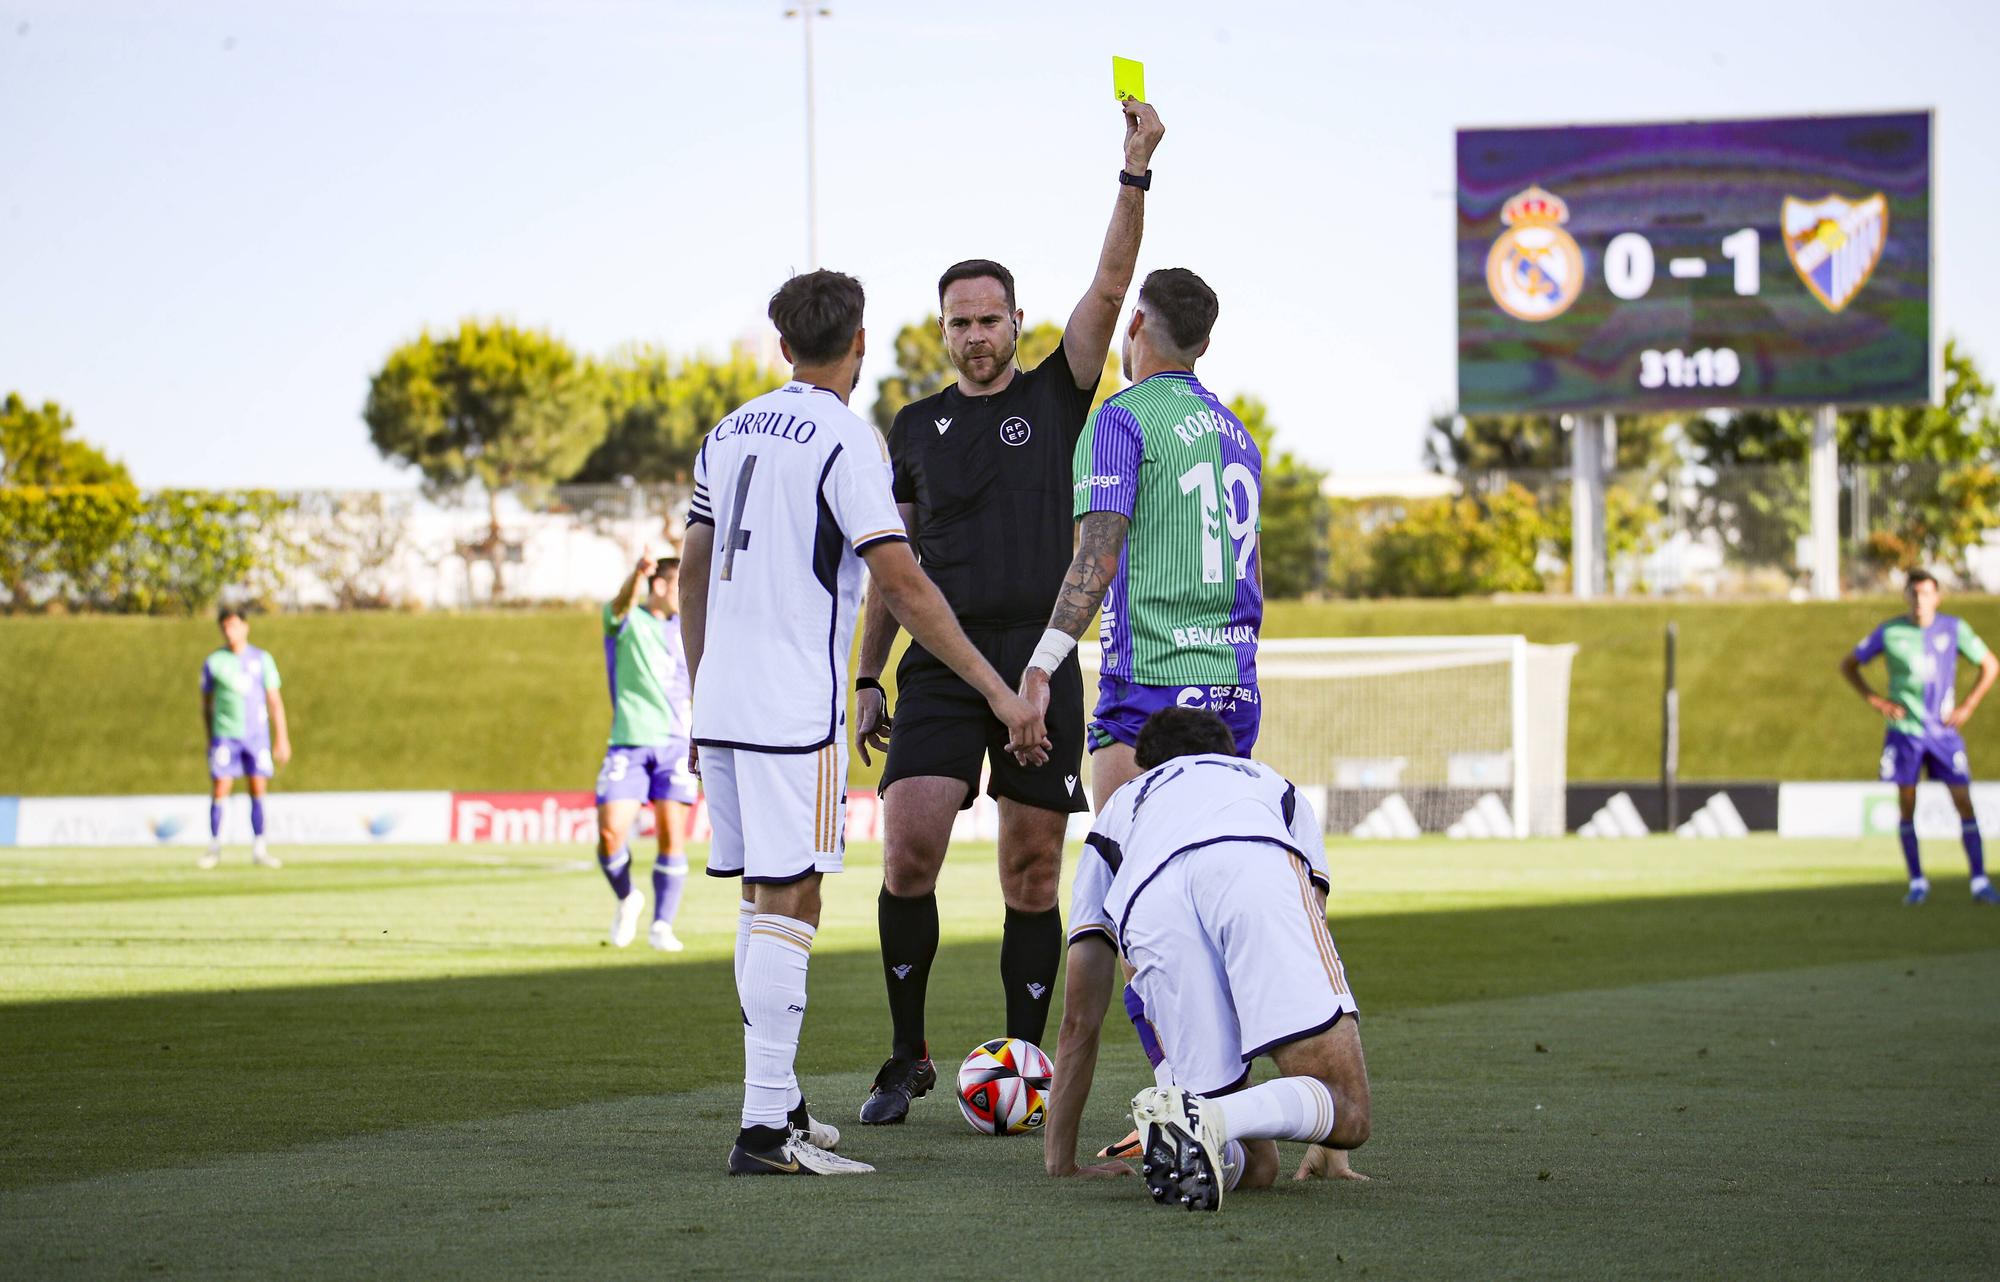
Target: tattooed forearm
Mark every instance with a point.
(1100, 540)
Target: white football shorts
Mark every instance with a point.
(775, 817)
(1232, 958)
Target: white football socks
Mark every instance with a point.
(746, 912)
(1287, 1108)
(773, 993)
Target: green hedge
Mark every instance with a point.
(495, 701)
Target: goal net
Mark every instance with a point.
(1401, 736)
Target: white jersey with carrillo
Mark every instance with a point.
(796, 486)
(1178, 806)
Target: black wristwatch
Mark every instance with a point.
(870, 683)
(1144, 182)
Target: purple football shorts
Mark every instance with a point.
(1905, 757)
(238, 759)
(658, 772)
(1122, 709)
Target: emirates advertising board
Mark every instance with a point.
(1714, 264)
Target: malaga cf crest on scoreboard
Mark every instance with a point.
(1712, 264)
(1835, 244)
(1535, 269)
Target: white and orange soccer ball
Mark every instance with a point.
(1003, 1087)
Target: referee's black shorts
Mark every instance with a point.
(944, 728)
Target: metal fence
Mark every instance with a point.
(1745, 530)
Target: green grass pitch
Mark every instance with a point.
(1591, 1060)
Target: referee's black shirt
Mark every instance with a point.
(990, 478)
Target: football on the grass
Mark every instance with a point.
(1003, 1087)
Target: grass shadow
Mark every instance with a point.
(119, 1084)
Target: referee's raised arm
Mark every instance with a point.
(1087, 337)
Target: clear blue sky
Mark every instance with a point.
(216, 219)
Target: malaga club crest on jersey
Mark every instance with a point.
(1834, 244)
(1535, 269)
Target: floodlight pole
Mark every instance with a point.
(805, 14)
(1823, 541)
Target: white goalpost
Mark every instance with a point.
(1401, 736)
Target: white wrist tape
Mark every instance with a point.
(1054, 648)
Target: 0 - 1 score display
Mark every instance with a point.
(1638, 267)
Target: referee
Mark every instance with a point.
(982, 477)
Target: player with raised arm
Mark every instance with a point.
(243, 716)
(1208, 874)
(1921, 650)
(1168, 490)
(982, 484)
(791, 496)
(646, 760)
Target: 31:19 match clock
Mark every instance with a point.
(1628, 268)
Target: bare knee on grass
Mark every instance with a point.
(1031, 842)
(917, 815)
(1334, 1057)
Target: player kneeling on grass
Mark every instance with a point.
(647, 758)
(1208, 873)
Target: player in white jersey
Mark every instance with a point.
(791, 494)
(1208, 873)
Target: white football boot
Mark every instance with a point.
(264, 858)
(209, 858)
(663, 938)
(625, 922)
(1183, 1142)
(819, 1134)
(796, 1156)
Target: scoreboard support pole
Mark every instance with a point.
(1590, 439)
(1824, 475)
(1670, 736)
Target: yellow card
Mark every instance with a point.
(1128, 79)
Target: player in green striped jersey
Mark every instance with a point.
(1168, 484)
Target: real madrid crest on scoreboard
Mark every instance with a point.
(1535, 269)
(1749, 262)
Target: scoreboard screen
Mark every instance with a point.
(1627, 268)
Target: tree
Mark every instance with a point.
(1480, 543)
(37, 448)
(492, 403)
(923, 366)
(660, 407)
(1457, 445)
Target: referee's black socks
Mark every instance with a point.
(1030, 951)
(909, 930)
